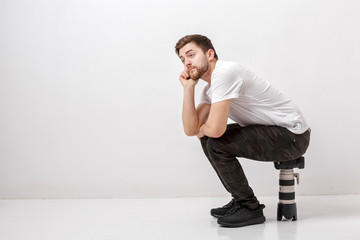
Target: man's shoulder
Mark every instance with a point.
(226, 69)
(223, 65)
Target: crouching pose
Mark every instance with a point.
(268, 126)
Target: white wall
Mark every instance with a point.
(90, 103)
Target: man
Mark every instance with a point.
(269, 126)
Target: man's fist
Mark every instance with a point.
(186, 81)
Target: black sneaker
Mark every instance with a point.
(242, 216)
(221, 211)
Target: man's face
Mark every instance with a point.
(194, 60)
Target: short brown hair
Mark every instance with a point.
(202, 41)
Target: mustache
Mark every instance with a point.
(192, 67)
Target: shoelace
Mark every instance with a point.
(234, 210)
(238, 208)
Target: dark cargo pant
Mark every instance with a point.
(258, 142)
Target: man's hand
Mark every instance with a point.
(186, 81)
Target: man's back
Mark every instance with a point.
(253, 100)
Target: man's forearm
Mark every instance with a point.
(189, 114)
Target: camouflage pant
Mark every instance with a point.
(258, 142)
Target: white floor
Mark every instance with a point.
(325, 217)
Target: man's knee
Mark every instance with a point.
(216, 149)
(213, 144)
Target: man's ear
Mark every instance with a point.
(210, 54)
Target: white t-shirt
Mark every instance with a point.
(253, 100)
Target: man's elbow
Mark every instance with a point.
(217, 132)
(190, 133)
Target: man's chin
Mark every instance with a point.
(195, 77)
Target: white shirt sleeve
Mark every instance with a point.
(225, 84)
(204, 98)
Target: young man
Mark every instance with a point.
(269, 126)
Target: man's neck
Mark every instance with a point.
(207, 76)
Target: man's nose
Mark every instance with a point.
(187, 62)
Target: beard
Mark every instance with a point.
(197, 72)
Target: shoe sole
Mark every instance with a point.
(243, 224)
